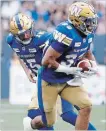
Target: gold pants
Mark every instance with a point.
(75, 95)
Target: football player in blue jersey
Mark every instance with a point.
(69, 43)
(28, 45)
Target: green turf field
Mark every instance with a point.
(11, 117)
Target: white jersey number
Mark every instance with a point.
(70, 60)
(32, 64)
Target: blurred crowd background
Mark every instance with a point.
(47, 14)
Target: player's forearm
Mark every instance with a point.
(60, 68)
(50, 58)
(50, 62)
(23, 65)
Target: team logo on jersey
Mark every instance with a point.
(84, 40)
(16, 49)
(89, 40)
(23, 48)
(77, 44)
(32, 50)
(60, 37)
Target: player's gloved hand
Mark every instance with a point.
(74, 71)
(92, 70)
(68, 70)
(81, 74)
(31, 76)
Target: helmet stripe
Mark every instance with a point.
(18, 22)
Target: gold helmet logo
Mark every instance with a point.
(20, 23)
(82, 15)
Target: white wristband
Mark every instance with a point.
(63, 69)
(67, 70)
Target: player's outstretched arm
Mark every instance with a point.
(28, 72)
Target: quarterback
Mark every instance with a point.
(69, 42)
(28, 45)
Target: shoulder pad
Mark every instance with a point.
(9, 38)
(39, 32)
(64, 27)
(42, 35)
(63, 33)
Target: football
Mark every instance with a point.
(84, 64)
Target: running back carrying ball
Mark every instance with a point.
(84, 64)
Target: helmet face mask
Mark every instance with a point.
(88, 25)
(25, 37)
(83, 17)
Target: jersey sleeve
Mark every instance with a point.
(42, 37)
(9, 39)
(60, 39)
(90, 41)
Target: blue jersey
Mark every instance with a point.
(31, 54)
(72, 45)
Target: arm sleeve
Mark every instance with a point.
(9, 39)
(60, 40)
(59, 47)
